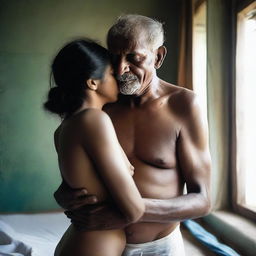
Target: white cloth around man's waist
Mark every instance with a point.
(170, 245)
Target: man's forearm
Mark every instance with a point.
(180, 208)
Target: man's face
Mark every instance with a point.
(133, 61)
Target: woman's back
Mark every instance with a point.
(78, 170)
(70, 138)
(88, 150)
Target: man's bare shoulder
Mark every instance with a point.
(180, 100)
(172, 89)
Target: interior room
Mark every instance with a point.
(211, 49)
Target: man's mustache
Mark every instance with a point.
(126, 77)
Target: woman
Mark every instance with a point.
(88, 150)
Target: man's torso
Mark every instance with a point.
(148, 135)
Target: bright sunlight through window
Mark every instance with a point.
(199, 56)
(246, 106)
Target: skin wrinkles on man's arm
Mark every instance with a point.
(195, 165)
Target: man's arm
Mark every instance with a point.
(195, 164)
(71, 199)
(99, 139)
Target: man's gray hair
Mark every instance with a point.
(133, 25)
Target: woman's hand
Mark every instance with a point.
(71, 199)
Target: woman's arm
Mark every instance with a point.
(100, 142)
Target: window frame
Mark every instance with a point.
(236, 187)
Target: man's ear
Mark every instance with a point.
(160, 55)
(92, 84)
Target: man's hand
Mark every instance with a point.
(72, 199)
(97, 217)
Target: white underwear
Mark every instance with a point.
(170, 245)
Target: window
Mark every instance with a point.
(199, 55)
(246, 109)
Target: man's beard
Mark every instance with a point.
(128, 84)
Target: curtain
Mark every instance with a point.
(219, 90)
(185, 75)
(219, 31)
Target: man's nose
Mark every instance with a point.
(122, 67)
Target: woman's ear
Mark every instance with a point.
(160, 55)
(92, 84)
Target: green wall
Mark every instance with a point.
(31, 33)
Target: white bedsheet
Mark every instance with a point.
(41, 232)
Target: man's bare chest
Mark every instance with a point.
(149, 136)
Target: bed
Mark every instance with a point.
(31, 234)
(38, 234)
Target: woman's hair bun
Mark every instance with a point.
(55, 102)
(75, 63)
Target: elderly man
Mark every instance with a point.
(161, 129)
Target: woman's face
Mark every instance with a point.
(108, 86)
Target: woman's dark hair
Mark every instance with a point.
(75, 63)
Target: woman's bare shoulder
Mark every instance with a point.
(94, 118)
(90, 118)
(88, 125)
(93, 123)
